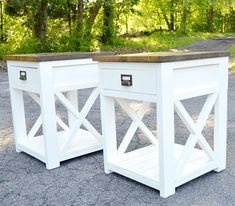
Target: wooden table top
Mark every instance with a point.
(158, 57)
(43, 57)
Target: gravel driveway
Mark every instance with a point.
(81, 181)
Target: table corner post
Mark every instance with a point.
(49, 116)
(108, 130)
(220, 118)
(165, 126)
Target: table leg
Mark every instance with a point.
(165, 127)
(18, 113)
(220, 121)
(48, 111)
(108, 130)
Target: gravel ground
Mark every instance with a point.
(81, 181)
(217, 44)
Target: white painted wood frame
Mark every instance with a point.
(46, 83)
(165, 165)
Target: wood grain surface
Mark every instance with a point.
(42, 57)
(158, 57)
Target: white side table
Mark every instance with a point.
(165, 79)
(48, 78)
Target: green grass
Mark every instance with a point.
(233, 65)
(232, 51)
(157, 42)
(154, 42)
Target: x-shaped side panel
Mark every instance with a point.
(81, 117)
(38, 122)
(136, 123)
(195, 130)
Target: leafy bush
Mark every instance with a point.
(4, 50)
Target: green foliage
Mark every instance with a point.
(118, 25)
(157, 41)
(5, 49)
(233, 65)
(232, 50)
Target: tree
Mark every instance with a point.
(108, 21)
(1, 22)
(40, 21)
(168, 10)
(210, 16)
(36, 12)
(183, 27)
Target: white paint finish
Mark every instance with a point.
(73, 74)
(77, 86)
(137, 123)
(143, 80)
(73, 98)
(47, 102)
(44, 79)
(18, 114)
(189, 78)
(31, 84)
(166, 165)
(35, 127)
(195, 129)
(165, 128)
(83, 144)
(220, 122)
(108, 131)
(130, 96)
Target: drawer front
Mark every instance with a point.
(73, 74)
(130, 80)
(192, 81)
(27, 79)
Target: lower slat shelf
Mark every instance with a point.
(82, 143)
(142, 165)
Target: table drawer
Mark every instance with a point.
(129, 80)
(24, 78)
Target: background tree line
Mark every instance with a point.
(85, 25)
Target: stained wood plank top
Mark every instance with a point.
(43, 57)
(158, 57)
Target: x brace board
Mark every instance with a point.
(195, 130)
(81, 117)
(136, 123)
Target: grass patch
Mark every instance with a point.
(233, 65)
(157, 42)
(232, 51)
(149, 43)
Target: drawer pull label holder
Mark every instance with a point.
(23, 75)
(126, 80)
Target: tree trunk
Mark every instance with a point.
(80, 16)
(69, 16)
(169, 21)
(92, 16)
(172, 16)
(210, 18)
(172, 22)
(184, 17)
(108, 24)
(40, 21)
(1, 23)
